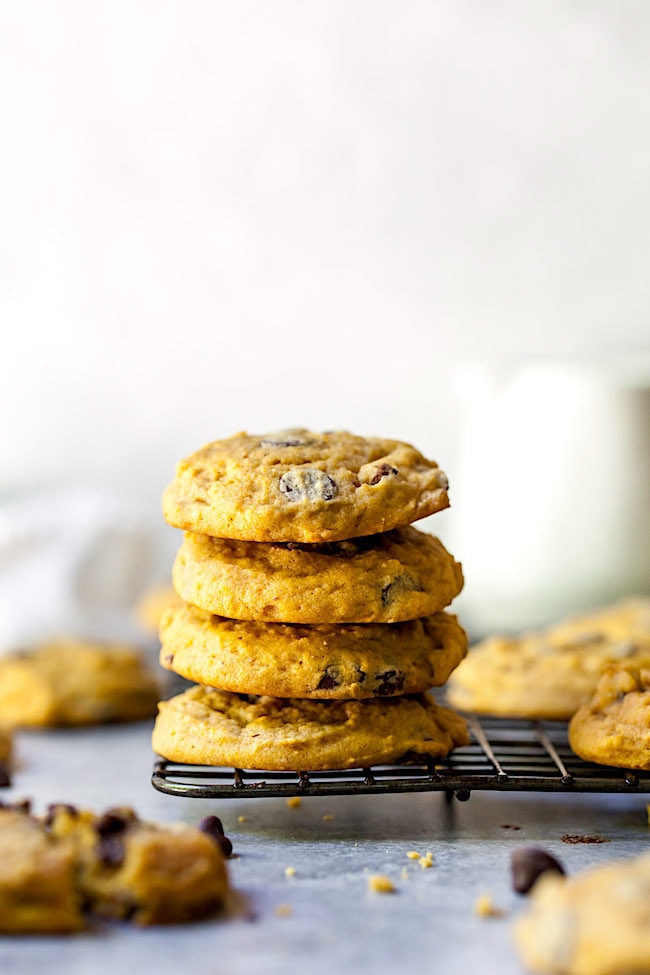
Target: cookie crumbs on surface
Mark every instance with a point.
(381, 883)
(293, 802)
(413, 855)
(241, 819)
(290, 871)
(427, 859)
(580, 838)
(485, 907)
(284, 910)
(328, 817)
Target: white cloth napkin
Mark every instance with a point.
(74, 561)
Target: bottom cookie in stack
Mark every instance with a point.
(325, 697)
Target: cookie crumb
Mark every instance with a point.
(241, 819)
(293, 802)
(413, 855)
(328, 817)
(381, 883)
(579, 838)
(485, 907)
(427, 860)
(290, 871)
(284, 910)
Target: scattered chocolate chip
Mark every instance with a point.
(509, 826)
(5, 778)
(307, 484)
(389, 682)
(578, 838)
(213, 827)
(382, 471)
(110, 850)
(527, 863)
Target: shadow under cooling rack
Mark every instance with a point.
(503, 756)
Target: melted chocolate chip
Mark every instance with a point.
(527, 863)
(384, 470)
(307, 484)
(110, 850)
(286, 442)
(329, 680)
(114, 821)
(389, 682)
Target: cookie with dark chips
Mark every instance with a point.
(327, 661)
(300, 486)
(398, 575)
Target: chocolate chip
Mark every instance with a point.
(114, 821)
(110, 850)
(527, 863)
(307, 484)
(400, 584)
(382, 471)
(5, 778)
(213, 827)
(390, 682)
(328, 681)
(286, 442)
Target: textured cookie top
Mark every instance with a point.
(549, 673)
(593, 923)
(212, 727)
(300, 486)
(327, 661)
(614, 727)
(398, 575)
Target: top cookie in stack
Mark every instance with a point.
(304, 586)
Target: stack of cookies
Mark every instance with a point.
(311, 614)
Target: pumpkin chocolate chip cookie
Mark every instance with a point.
(594, 923)
(299, 486)
(205, 726)
(386, 578)
(614, 727)
(550, 673)
(145, 872)
(327, 661)
(61, 870)
(76, 682)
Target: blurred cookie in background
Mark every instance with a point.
(549, 673)
(76, 682)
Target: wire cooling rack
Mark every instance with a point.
(503, 756)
